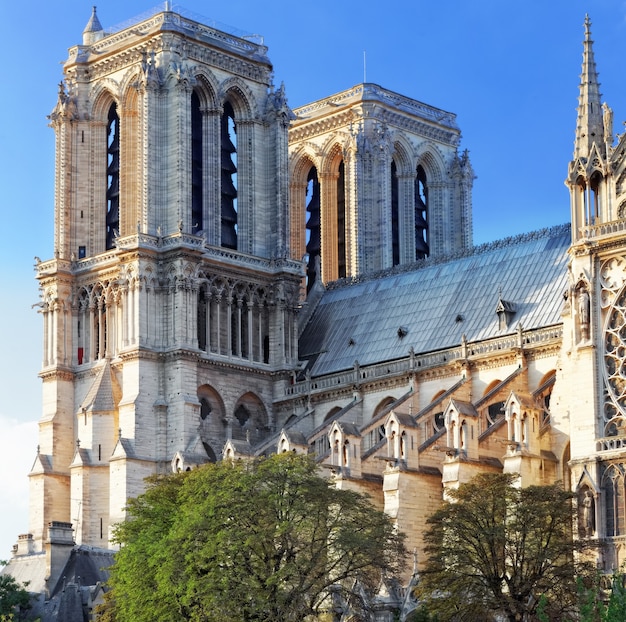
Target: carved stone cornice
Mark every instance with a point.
(308, 128)
(369, 92)
(56, 374)
(126, 49)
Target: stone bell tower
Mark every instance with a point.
(376, 180)
(591, 409)
(169, 306)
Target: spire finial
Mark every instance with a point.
(589, 125)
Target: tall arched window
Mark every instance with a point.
(229, 177)
(312, 225)
(613, 487)
(395, 218)
(203, 311)
(341, 222)
(421, 214)
(113, 177)
(197, 184)
(594, 207)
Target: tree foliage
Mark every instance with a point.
(498, 550)
(14, 598)
(602, 598)
(262, 541)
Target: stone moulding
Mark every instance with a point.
(172, 242)
(373, 92)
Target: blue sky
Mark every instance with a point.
(509, 70)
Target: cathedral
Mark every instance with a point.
(232, 277)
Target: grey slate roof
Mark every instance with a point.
(101, 396)
(439, 301)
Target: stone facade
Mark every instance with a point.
(233, 278)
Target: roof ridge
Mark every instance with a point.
(480, 249)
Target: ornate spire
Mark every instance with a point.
(589, 126)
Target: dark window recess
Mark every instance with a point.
(229, 178)
(495, 411)
(395, 218)
(82, 252)
(312, 226)
(203, 309)
(113, 177)
(205, 408)
(242, 415)
(197, 185)
(421, 214)
(266, 349)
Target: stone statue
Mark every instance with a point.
(583, 312)
(607, 118)
(588, 514)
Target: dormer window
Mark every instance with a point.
(505, 311)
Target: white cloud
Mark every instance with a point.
(18, 448)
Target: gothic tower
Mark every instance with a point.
(169, 306)
(376, 180)
(590, 405)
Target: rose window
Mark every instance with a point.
(613, 301)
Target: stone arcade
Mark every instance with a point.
(232, 277)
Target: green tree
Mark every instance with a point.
(267, 540)
(497, 550)
(602, 598)
(14, 598)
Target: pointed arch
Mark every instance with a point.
(132, 212)
(332, 178)
(103, 95)
(240, 97)
(207, 88)
(433, 164)
(382, 405)
(401, 204)
(614, 499)
(305, 210)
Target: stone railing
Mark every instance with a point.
(602, 229)
(418, 362)
(170, 242)
(191, 22)
(611, 443)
